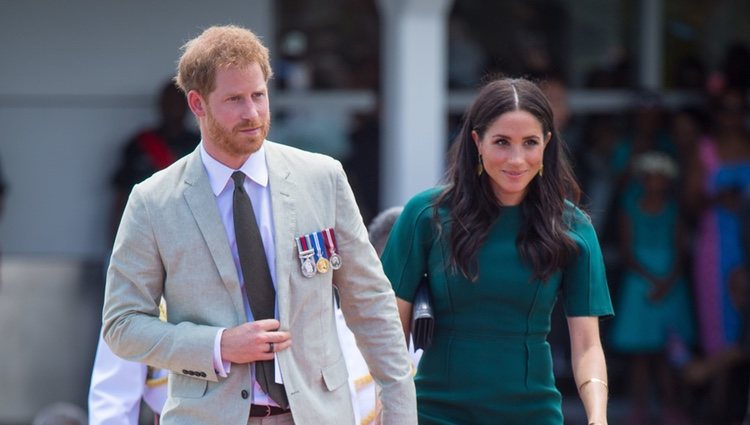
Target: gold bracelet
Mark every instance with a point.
(597, 380)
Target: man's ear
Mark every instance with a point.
(196, 103)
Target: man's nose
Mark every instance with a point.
(249, 111)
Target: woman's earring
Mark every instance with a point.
(480, 167)
(541, 170)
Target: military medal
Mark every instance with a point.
(330, 240)
(322, 263)
(310, 240)
(307, 266)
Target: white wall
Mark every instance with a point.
(76, 79)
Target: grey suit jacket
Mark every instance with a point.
(172, 243)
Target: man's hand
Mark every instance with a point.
(253, 341)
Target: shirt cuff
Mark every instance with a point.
(221, 367)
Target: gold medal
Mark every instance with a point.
(323, 265)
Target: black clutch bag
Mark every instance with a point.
(422, 317)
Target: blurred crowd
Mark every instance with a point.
(668, 188)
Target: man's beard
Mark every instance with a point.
(232, 141)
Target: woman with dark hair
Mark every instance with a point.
(498, 242)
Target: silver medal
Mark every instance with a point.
(308, 267)
(335, 261)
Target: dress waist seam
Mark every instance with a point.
(474, 334)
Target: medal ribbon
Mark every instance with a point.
(333, 239)
(306, 246)
(299, 246)
(308, 242)
(327, 235)
(320, 245)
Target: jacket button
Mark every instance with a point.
(244, 394)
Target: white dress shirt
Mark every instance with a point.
(256, 186)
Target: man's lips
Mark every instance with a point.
(249, 130)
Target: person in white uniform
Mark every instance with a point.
(118, 386)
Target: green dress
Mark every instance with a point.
(490, 361)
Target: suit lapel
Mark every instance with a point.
(202, 203)
(282, 187)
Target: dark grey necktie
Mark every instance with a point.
(258, 283)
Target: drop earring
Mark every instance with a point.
(480, 167)
(541, 170)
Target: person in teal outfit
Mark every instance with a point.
(655, 325)
(499, 242)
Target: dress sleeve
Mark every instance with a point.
(585, 290)
(406, 252)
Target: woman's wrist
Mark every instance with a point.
(596, 392)
(595, 381)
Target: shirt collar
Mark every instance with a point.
(219, 174)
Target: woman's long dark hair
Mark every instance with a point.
(543, 242)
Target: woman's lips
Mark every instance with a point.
(514, 174)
